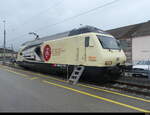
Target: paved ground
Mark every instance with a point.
(22, 91)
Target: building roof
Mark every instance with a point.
(137, 30)
(144, 30)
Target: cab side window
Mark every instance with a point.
(87, 41)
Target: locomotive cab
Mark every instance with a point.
(103, 50)
(104, 57)
(111, 52)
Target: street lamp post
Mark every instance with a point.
(4, 52)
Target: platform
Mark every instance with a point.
(26, 91)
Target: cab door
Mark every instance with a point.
(90, 51)
(81, 57)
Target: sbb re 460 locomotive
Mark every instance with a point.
(97, 51)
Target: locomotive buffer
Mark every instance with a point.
(76, 74)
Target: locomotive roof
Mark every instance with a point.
(82, 30)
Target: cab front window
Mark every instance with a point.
(109, 42)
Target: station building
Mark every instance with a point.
(135, 41)
(9, 54)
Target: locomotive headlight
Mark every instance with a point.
(124, 62)
(108, 62)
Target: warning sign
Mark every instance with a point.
(47, 53)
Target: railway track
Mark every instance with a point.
(130, 87)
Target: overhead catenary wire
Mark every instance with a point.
(73, 17)
(78, 15)
(39, 13)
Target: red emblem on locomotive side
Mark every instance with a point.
(47, 53)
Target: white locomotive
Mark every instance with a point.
(89, 47)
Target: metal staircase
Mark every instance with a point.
(76, 74)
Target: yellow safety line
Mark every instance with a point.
(36, 74)
(34, 78)
(98, 97)
(87, 86)
(17, 73)
(23, 75)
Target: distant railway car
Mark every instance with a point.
(95, 50)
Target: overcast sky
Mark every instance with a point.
(24, 16)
